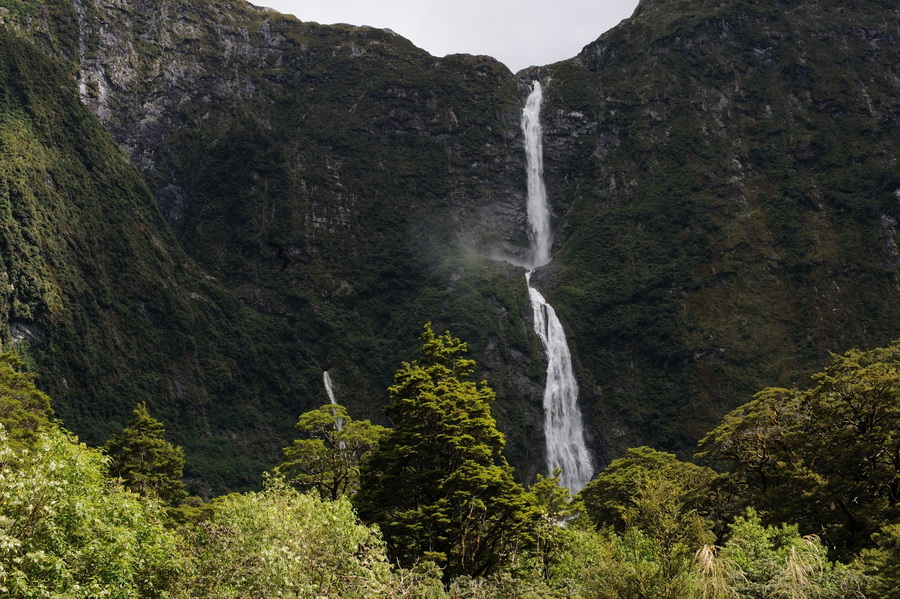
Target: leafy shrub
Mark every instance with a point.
(65, 531)
(773, 561)
(280, 542)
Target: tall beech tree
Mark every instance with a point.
(827, 457)
(654, 491)
(145, 461)
(438, 485)
(666, 499)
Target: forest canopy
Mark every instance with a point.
(430, 508)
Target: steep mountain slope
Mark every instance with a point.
(723, 177)
(335, 178)
(101, 298)
(321, 175)
(730, 184)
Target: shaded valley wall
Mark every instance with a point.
(729, 184)
(722, 178)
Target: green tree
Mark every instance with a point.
(144, 461)
(654, 491)
(663, 498)
(881, 564)
(552, 500)
(66, 532)
(780, 449)
(24, 409)
(329, 459)
(553, 506)
(438, 485)
(639, 566)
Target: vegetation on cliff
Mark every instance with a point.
(722, 176)
(98, 293)
(725, 179)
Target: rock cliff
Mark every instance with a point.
(723, 179)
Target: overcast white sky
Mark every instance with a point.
(519, 33)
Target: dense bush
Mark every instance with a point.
(649, 526)
(280, 542)
(67, 531)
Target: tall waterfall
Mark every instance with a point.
(563, 427)
(339, 423)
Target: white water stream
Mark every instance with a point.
(538, 212)
(563, 426)
(339, 423)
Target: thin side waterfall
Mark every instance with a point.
(339, 424)
(563, 426)
(328, 388)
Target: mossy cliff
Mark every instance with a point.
(100, 297)
(729, 192)
(722, 176)
(337, 180)
(318, 176)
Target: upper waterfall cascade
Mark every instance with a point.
(539, 233)
(326, 378)
(563, 427)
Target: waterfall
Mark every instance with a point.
(562, 419)
(328, 388)
(538, 213)
(339, 423)
(563, 426)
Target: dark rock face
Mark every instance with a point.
(337, 179)
(729, 174)
(723, 181)
(154, 69)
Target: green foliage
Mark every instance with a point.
(780, 449)
(666, 498)
(329, 460)
(144, 461)
(881, 564)
(502, 585)
(280, 542)
(553, 505)
(550, 498)
(635, 565)
(438, 485)
(773, 561)
(582, 553)
(21, 9)
(24, 409)
(65, 531)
